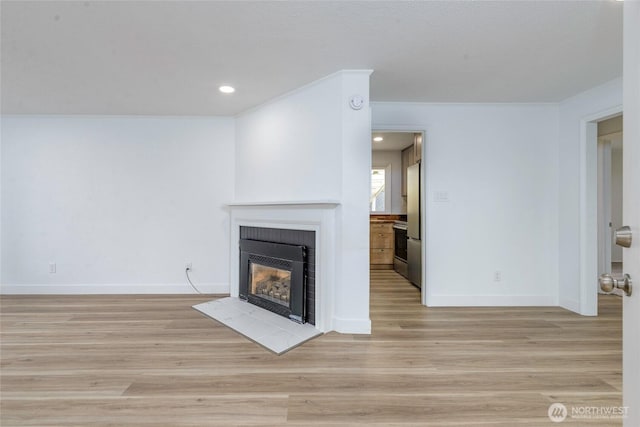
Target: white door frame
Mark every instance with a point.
(589, 209)
(424, 290)
(604, 205)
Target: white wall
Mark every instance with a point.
(352, 284)
(288, 149)
(393, 158)
(309, 145)
(499, 165)
(119, 203)
(572, 112)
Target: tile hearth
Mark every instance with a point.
(268, 329)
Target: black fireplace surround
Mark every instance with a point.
(273, 276)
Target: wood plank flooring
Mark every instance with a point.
(154, 361)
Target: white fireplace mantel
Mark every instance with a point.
(312, 215)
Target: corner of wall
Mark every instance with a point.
(352, 326)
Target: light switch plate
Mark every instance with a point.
(441, 196)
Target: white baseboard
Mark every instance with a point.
(492, 301)
(352, 326)
(570, 304)
(111, 289)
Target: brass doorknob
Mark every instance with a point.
(608, 283)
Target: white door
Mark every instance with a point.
(631, 213)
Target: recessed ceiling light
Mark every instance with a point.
(226, 89)
(378, 138)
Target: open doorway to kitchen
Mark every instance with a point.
(397, 223)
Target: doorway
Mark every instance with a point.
(591, 260)
(400, 154)
(610, 150)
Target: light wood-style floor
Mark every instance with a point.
(153, 361)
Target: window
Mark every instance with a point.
(377, 197)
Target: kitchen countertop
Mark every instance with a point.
(388, 218)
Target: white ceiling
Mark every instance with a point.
(169, 57)
(391, 141)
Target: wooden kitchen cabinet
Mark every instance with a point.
(417, 147)
(410, 156)
(407, 160)
(381, 243)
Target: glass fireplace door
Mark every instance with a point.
(270, 283)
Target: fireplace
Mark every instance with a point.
(299, 225)
(273, 276)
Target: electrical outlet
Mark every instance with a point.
(497, 276)
(52, 267)
(188, 266)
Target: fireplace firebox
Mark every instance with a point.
(273, 276)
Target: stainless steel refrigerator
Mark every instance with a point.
(414, 247)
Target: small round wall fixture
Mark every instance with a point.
(226, 89)
(356, 102)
